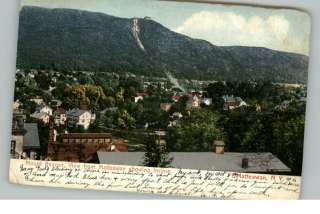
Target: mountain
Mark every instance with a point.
(67, 39)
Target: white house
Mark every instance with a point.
(16, 105)
(206, 101)
(37, 100)
(80, 117)
(44, 109)
(139, 97)
(60, 117)
(177, 115)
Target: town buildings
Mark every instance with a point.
(82, 147)
(231, 102)
(193, 101)
(80, 117)
(42, 108)
(60, 117)
(25, 142)
(37, 100)
(139, 97)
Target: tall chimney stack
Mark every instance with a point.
(245, 163)
(218, 146)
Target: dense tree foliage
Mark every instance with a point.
(156, 153)
(196, 131)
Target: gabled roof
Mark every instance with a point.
(31, 138)
(38, 115)
(258, 162)
(232, 99)
(76, 112)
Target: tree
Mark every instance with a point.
(195, 132)
(217, 89)
(288, 131)
(156, 153)
(181, 105)
(90, 95)
(43, 80)
(124, 119)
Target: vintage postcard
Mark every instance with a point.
(165, 97)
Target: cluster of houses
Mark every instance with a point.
(75, 147)
(25, 142)
(198, 100)
(61, 117)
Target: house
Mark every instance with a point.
(42, 108)
(139, 97)
(16, 105)
(42, 116)
(231, 102)
(177, 115)
(37, 100)
(218, 160)
(283, 106)
(80, 117)
(206, 101)
(60, 117)
(173, 123)
(193, 101)
(25, 143)
(165, 106)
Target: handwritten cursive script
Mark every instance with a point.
(181, 182)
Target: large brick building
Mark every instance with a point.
(82, 147)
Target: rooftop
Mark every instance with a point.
(38, 115)
(232, 99)
(87, 135)
(258, 162)
(31, 138)
(76, 112)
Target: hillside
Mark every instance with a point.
(66, 39)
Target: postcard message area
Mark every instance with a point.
(180, 182)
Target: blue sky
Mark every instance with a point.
(225, 25)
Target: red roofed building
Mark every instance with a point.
(82, 147)
(140, 96)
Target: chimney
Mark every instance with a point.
(218, 146)
(245, 163)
